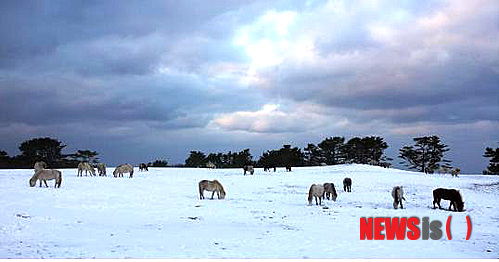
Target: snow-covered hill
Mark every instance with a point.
(158, 214)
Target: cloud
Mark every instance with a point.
(272, 118)
(212, 74)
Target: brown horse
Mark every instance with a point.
(143, 167)
(44, 175)
(347, 184)
(101, 167)
(316, 191)
(213, 186)
(448, 194)
(329, 190)
(248, 169)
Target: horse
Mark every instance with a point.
(443, 170)
(87, 167)
(398, 196)
(316, 191)
(44, 175)
(267, 167)
(448, 194)
(455, 171)
(211, 165)
(40, 165)
(248, 169)
(329, 190)
(347, 184)
(213, 186)
(143, 167)
(385, 165)
(101, 167)
(288, 168)
(123, 168)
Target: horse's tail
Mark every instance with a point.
(201, 189)
(58, 178)
(310, 194)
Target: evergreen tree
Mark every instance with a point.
(332, 150)
(86, 156)
(159, 163)
(4, 159)
(493, 154)
(42, 149)
(426, 155)
(196, 159)
(313, 155)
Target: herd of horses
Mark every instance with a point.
(316, 191)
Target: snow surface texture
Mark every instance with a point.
(158, 214)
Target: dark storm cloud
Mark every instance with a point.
(97, 73)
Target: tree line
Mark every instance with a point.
(49, 150)
(425, 155)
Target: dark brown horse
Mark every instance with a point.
(143, 167)
(448, 194)
(347, 184)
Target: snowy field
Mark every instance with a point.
(158, 214)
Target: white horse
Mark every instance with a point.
(123, 168)
(44, 175)
(316, 191)
(87, 167)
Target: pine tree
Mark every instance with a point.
(196, 159)
(426, 155)
(493, 154)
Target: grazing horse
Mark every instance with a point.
(385, 165)
(40, 165)
(329, 190)
(398, 196)
(448, 194)
(101, 167)
(267, 167)
(347, 184)
(143, 167)
(248, 169)
(455, 171)
(316, 191)
(211, 165)
(44, 175)
(87, 167)
(213, 186)
(123, 168)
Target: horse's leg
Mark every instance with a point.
(45, 182)
(401, 206)
(212, 194)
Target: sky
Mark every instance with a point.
(138, 81)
